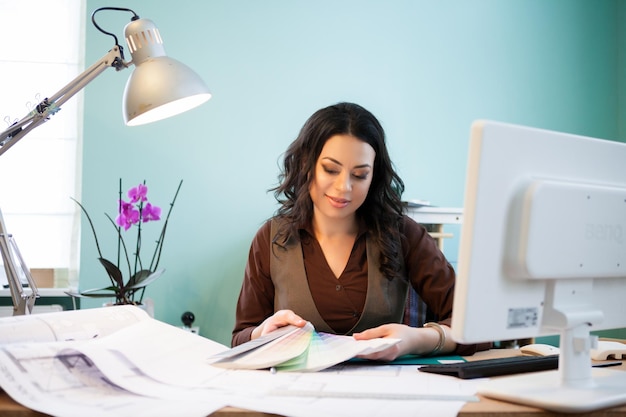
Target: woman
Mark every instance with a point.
(339, 252)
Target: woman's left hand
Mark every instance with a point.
(407, 335)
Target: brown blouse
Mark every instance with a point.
(340, 300)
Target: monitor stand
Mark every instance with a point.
(575, 388)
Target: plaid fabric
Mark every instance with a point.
(416, 312)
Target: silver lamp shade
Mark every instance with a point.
(159, 86)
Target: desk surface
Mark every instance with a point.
(485, 407)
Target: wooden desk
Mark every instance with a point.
(485, 407)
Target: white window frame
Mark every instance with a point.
(43, 50)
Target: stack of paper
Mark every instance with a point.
(119, 361)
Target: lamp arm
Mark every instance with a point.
(23, 303)
(49, 106)
(15, 286)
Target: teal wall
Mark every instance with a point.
(427, 69)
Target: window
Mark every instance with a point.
(42, 51)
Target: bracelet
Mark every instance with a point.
(442, 337)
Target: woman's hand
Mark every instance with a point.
(279, 319)
(413, 340)
(393, 331)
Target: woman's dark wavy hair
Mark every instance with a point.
(382, 209)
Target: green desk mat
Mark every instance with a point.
(413, 360)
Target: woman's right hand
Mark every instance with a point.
(279, 319)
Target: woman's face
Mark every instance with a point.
(343, 174)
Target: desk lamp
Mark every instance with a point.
(159, 87)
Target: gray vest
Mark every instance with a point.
(384, 302)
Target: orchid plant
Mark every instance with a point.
(132, 213)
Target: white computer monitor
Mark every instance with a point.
(543, 252)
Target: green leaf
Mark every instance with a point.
(143, 278)
(113, 271)
(106, 292)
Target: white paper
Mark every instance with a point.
(69, 325)
(149, 368)
(71, 386)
